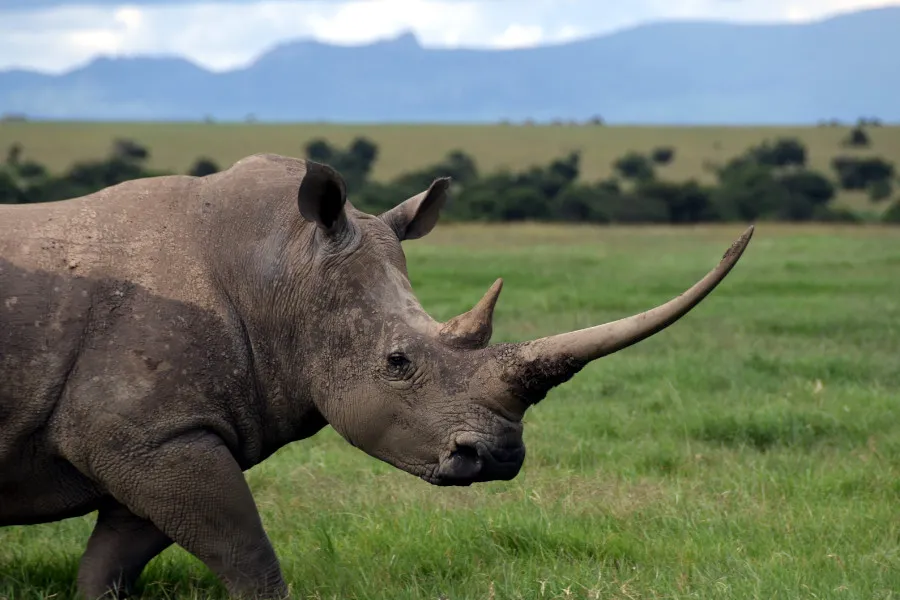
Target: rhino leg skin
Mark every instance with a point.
(119, 548)
(195, 493)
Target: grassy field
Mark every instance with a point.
(406, 147)
(750, 451)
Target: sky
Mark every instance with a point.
(56, 35)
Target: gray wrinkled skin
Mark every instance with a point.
(161, 336)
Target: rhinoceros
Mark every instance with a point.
(161, 336)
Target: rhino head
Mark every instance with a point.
(433, 399)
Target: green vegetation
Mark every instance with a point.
(405, 148)
(769, 181)
(750, 451)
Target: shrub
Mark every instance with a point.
(129, 150)
(662, 155)
(748, 191)
(892, 214)
(685, 202)
(583, 204)
(880, 190)
(860, 173)
(635, 166)
(9, 190)
(857, 137)
(783, 152)
(319, 150)
(203, 167)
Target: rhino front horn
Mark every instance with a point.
(473, 329)
(542, 364)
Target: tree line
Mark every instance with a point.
(769, 181)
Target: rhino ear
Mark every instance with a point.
(322, 196)
(415, 217)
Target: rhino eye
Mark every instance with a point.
(398, 361)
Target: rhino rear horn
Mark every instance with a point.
(322, 196)
(415, 217)
(473, 329)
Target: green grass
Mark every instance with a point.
(406, 147)
(750, 451)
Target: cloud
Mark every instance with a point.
(37, 4)
(519, 35)
(441, 22)
(55, 35)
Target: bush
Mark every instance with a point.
(635, 166)
(685, 202)
(768, 181)
(31, 170)
(375, 198)
(880, 190)
(354, 164)
(784, 152)
(892, 214)
(129, 151)
(860, 173)
(98, 174)
(460, 166)
(812, 186)
(203, 167)
(9, 189)
(363, 153)
(477, 202)
(636, 208)
(523, 203)
(748, 191)
(319, 150)
(14, 154)
(582, 204)
(457, 165)
(857, 137)
(663, 155)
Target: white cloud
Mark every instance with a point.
(129, 17)
(440, 22)
(519, 35)
(226, 35)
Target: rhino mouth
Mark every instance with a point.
(477, 462)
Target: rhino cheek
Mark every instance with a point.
(384, 425)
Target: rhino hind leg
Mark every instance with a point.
(118, 550)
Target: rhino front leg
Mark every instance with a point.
(119, 548)
(194, 491)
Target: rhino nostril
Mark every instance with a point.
(465, 454)
(467, 464)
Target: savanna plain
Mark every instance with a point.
(404, 148)
(752, 450)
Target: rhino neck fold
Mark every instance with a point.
(260, 279)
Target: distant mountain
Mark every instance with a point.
(844, 67)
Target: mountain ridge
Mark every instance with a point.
(662, 72)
